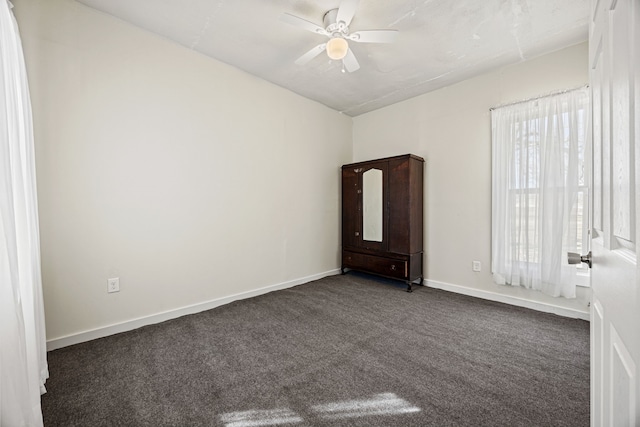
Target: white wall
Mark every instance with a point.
(451, 129)
(186, 178)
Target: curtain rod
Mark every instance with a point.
(560, 92)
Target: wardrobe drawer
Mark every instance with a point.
(375, 264)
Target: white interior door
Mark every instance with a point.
(614, 42)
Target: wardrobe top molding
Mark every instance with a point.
(413, 156)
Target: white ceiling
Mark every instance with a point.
(439, 42)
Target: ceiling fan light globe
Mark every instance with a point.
(337, 48)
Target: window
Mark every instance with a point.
(540, 191)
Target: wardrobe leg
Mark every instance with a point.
(409, 287)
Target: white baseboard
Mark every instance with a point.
(172, 314)
(520, 302)
(129, 325)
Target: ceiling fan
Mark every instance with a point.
(336, 27)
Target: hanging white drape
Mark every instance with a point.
(23, 364)
(538, 160)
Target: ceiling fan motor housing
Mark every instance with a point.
(336, 29)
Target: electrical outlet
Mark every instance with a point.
(113, 285)
(477, 266)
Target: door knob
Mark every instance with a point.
(575, 258)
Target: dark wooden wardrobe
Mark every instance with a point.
(382, 217)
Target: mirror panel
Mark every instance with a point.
(372, 205)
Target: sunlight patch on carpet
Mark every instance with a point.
(380, 404)
(258, 418)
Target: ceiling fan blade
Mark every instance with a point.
(311, 54)
(302, 23)
(350, 62)
(346, 11)
(374, 36)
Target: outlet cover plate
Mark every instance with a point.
(113, 285)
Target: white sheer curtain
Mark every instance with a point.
(538, 204)
(23, 363)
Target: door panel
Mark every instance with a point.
(623, 222)
(400, 191)
(597, 386)
(351, 218)
(406, 210)
(623, 376)
(352, 206)
(596, 94)
(615, 312)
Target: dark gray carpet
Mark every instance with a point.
(349, 350)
